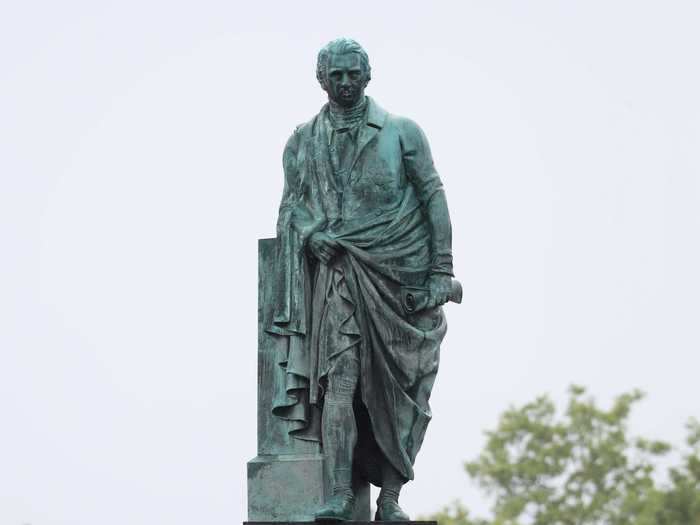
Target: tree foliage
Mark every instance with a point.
(580, 468)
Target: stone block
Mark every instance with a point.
(292, 487)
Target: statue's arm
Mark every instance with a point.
(300, 209)
(420, 170)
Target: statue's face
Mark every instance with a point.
(345, 79)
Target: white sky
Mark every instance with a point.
(140, 161)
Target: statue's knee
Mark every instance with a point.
(342, 377)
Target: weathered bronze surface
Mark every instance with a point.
(360, 267)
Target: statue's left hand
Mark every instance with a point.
(323, 246)
(440, 285)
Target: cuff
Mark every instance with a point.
(442, 263)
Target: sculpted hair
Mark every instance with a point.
(340, 46)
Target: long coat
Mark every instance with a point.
(378, 218)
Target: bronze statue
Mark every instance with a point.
(363, 265)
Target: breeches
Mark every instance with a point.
(343, 376)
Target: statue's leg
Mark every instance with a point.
(339, 434)
(388, 501)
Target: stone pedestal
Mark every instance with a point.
(291, 488)
(286, 481)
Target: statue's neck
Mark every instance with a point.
(342, 117)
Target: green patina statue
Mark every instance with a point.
(363, 264)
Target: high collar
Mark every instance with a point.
(376, 115)
(343, 117)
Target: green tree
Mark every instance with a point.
(680, 503)
(580, 468)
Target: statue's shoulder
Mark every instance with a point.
(388, 122)
(296, 137)
(405, 126)
(410, 134)
(304, 127)
(299, 130)
(303, 130)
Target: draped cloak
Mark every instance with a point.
(378, 218)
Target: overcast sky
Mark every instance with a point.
(140, 161)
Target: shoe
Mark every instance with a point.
(389, 510)
(337, 508)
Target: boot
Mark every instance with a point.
(388, 502)
(389, 510)
(339, 507)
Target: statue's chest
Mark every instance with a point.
(378, 167)
(376, 181)
(356, 179)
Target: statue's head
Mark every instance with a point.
(343, 71)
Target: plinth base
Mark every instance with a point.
(291, 488)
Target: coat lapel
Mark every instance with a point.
(376, 117)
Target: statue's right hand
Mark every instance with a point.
(323, 246)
